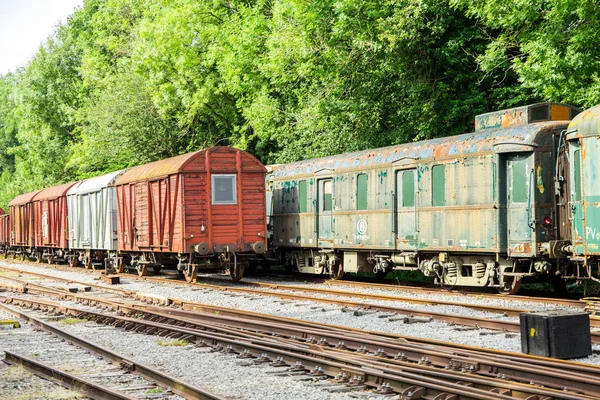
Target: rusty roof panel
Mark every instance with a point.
(484, 141)
(587, 123)
(53, 192)
(24, 198)
(157, 169)
(525, 115)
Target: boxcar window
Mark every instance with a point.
(408, 189)
(361, 192)
(519, 181)
(223, 189)
(327, 196)
(438, 178)
(577, 175)
(302, 196)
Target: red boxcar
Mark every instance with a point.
(22, 230)
(50, 216)
(189, 209)
(4, 231)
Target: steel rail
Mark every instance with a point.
(178, 386)
(70, 381)
(399, 380)
(548, 378)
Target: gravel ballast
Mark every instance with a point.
(330, 314)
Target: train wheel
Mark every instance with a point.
(88, 263)
(142, 269)
(50, 259)
(337, 270)
(73, 261)
(38, 257)
(511, 286)
(190, 272)
(236, 269)
(23, 257)
(157, 268)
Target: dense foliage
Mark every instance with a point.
(125, 82)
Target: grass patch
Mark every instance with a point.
(172, 343)
(72, 321)
(155, 390)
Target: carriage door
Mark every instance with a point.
(325, 212)
(576, 206)
(520, 204)
(406, 210)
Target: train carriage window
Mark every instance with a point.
(577, 175)
(361, 191)
(438, 179)
(408, 189)
(302, 196)
(520, 186)
(327, 196)
(224, 189)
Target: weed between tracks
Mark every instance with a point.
(174, 342)
(72, 321)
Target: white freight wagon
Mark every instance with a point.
(92, 206)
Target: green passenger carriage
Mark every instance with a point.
(477, 209)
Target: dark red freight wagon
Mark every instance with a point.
(51, 227)
(22, 230)
(4, 232)
(204, 209)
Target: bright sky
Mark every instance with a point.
(25, 25)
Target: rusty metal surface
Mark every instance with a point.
(481, 142)
(54, 192)
(23, 198)
(175, 213)
(587, 123)
(525, 115)
(158, 169)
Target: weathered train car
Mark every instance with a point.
(22, 229)
(4, 232)
(50, 222)
(472, 210)
(581, 200)
(92, 210)
(193, 210)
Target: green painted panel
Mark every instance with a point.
(438, 186)
(408, 189)
(302, 196)
(361, 191)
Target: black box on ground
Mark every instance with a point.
(556, 334)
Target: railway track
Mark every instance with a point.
(344, 299)
(352, 358)
(86, 368)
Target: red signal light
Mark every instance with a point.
(547, 221)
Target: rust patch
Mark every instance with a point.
(521, 248)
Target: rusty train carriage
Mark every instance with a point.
(202, 209)
(50, 216)
(582, 201)
(4, 231)
(472, 210)
(22, 230)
